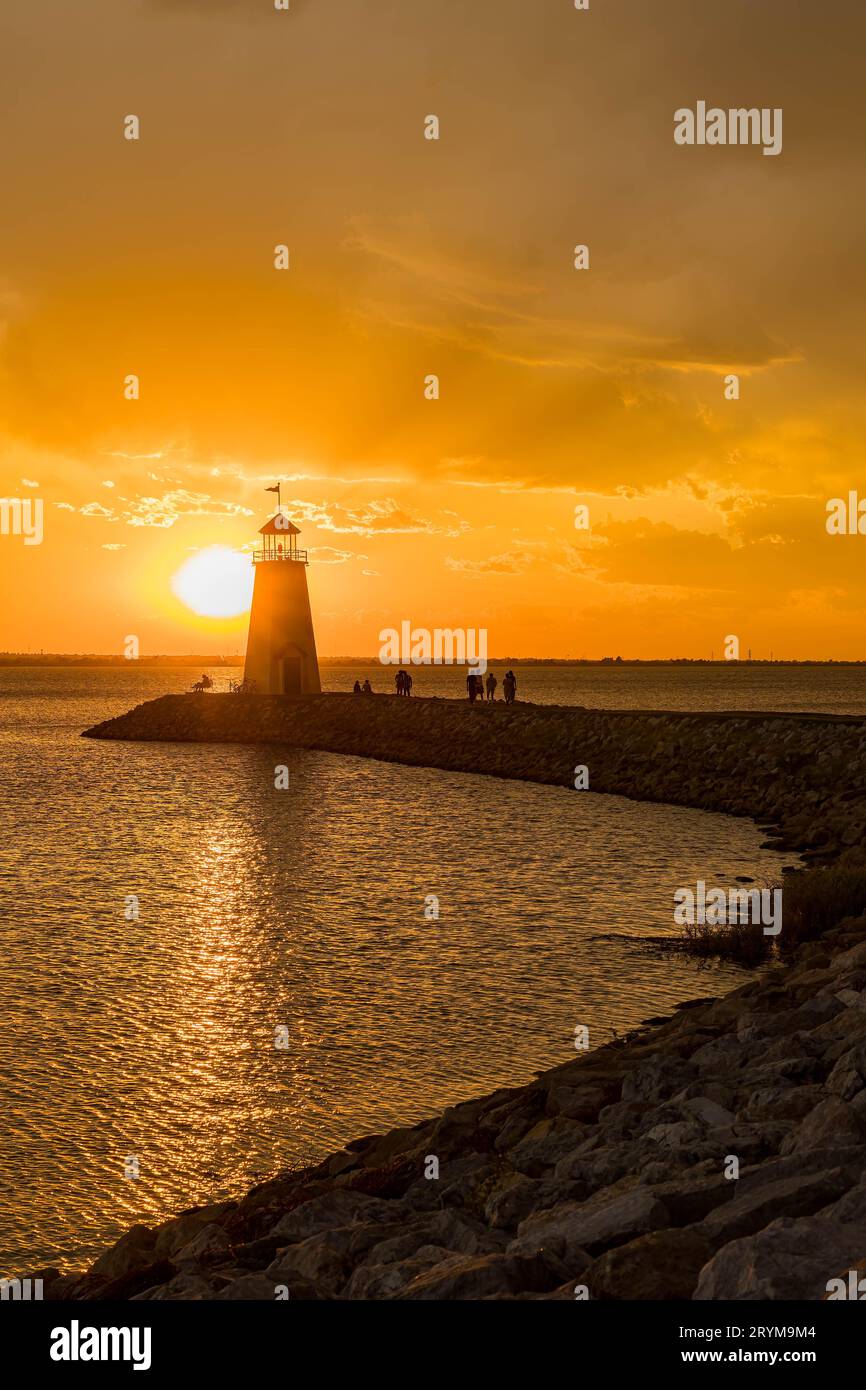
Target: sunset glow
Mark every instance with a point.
(216, 583)
(454, 258)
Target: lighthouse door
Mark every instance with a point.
(288, 675)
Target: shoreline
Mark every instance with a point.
(608, 1173)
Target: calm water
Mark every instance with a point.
(828, 689)
(302, 908)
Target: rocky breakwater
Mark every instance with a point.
(718, 1153)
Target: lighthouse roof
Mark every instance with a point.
(279, 525)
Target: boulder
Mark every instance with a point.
(514, 1198)
(379, 1281)
(321, 1260)
(581, 1102)
(661, 1265)
(332, 1210)
(209, 1245)
(183, 1286)
(574, 1227)
(446, 1230)
(133, 1250)
(249, 1288)
(849, 1073)
(833, 1121)
(175, 1234)
(708, 1112)
(657, 1078)
(479, 1277)
(791, 1258)
(751, 1211)
(544, 1146)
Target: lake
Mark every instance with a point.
(300, 910)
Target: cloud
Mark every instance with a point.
(165, 511)
(385, 517)
(328, 555)
(97, 509)
(525, 555)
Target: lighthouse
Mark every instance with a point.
(281, 646)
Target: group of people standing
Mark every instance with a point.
(476, 685)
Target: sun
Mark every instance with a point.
(216, 583)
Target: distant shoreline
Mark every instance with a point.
(61, 659)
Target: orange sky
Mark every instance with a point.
(411, 257)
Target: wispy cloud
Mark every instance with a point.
(379, 518)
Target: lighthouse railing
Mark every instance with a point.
(262, 556)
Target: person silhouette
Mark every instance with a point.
(356, 688)
(492, 683)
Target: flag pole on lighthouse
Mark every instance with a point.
(277, 491)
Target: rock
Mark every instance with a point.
(727, 1055)
(790, 1259)
(657, 1078)
(444, 1229)
(377, 1281)
(781, 1102)
(754, 1209)
(849, 1073)
(519, 1120)
(175, 1234)
(661, 1265)
(460, 1180)
(479, 1277)
(207, 1246)
(592, 1168)
(133, 1250)
(681, 1135)
(544, 1146)
(625, 1119)
(127, 1286)
(248, 1288)
(833, 1121)
(574, 1227)
(689, 1197)
(321, 1260)
(511, 1200)
(724, 1096)
(183, 1286)
(334, 1209)
(708, 1112)
(383, 1147)
(855, 959)
(581, 1102)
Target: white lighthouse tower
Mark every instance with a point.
(281, 646)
